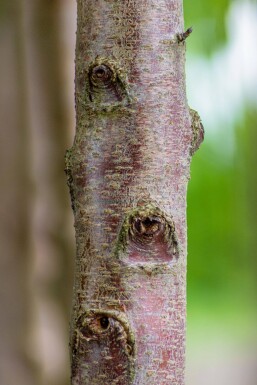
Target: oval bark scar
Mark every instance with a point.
(107, 83)
(148, 235)
(105, 339)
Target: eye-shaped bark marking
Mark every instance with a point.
(103, 349)
(107, 84)
(144, 229)
(101, 76)
(147, 235)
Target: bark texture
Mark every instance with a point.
(128, 171)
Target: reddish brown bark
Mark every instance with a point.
(128, 171)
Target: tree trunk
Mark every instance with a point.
(128, 171)
(35, 243)
(15, 296)
(48, 122)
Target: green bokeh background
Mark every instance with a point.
(222, 212)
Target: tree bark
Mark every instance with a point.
(128, 171)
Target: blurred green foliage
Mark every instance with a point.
(222, 194)
(219, 257)
(247, 172)
(208, 21)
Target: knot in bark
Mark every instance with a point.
(101, 76)
(145, 229)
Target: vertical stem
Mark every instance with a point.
(128, 171)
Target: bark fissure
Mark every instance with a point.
(128, 171)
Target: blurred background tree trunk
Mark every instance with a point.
(15, 222)
(36, 245)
